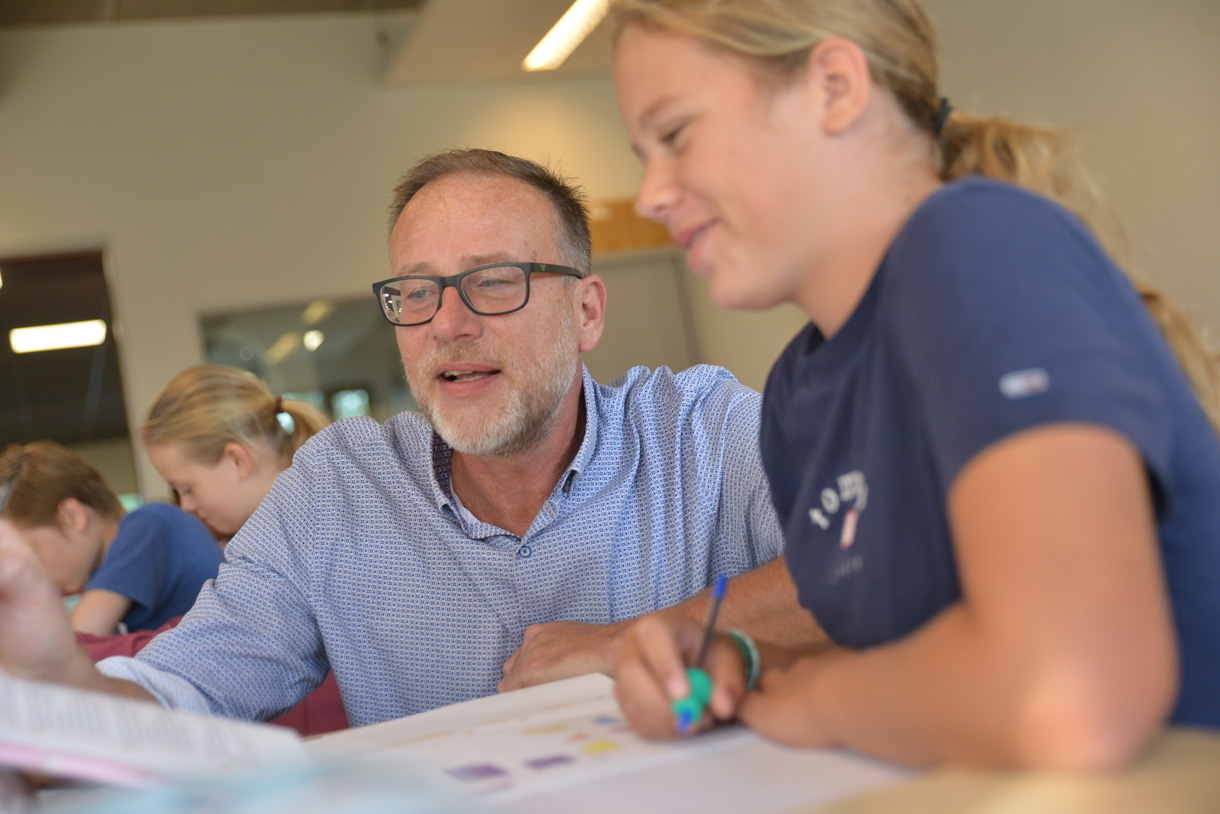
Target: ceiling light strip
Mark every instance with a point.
(565, 35)
(57, 337)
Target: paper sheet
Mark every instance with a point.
(65, 732)
(564, 745)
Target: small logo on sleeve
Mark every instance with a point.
(1024, 383)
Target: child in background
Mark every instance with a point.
(998, 490)
(137, 568)
(219, 438)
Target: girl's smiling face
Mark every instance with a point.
(733, 165)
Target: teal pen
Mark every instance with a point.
(690, 708)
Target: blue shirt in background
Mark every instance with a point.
(159, 559)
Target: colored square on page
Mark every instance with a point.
(549, 762)
(598, 747)
(477, 771)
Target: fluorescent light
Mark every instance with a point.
(317, 311)
(313, 340)
(283, 347)
(565, 35)
(55, 337)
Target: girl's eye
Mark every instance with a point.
(670, 137)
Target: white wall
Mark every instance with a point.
(228, 164)
(232, 164)
(1139, 81)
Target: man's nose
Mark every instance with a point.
(453, 319)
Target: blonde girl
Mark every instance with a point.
(997, 484)
(220, 438)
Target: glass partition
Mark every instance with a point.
(339, 355)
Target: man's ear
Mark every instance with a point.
(238, 457)
(592, 311)
(72, 515)
(837, 72)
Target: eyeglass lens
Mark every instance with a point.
(490, 291)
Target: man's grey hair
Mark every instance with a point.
(567, 198)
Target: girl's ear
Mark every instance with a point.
(838, 72)
(239, 458)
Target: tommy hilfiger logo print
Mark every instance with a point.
(852, 495)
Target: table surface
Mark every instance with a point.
(1179, 774)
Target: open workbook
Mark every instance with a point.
(72, 734)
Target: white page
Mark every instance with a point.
(560, 746)
(67, 732)
(388, 734)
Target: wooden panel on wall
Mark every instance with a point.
(616, 227)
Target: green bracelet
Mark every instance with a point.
(749, 652)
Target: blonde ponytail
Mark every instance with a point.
(208, 406)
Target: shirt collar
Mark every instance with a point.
(588, 446)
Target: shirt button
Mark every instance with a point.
(524, 551)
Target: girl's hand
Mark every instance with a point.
(651, 674)
(782, 708)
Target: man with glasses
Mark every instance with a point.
(504, 538)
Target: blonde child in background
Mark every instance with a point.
(217, 436)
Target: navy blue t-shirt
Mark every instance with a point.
(993, 311)
(160, 558)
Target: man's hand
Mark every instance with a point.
(36, 639)
(556, 650)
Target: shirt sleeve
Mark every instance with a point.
(728, 418)
(1011, 316)
(249, 648)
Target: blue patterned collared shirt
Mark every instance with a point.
(360, 559)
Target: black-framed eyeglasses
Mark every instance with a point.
(489, 291)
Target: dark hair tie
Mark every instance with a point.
(942, 116)
(279, 404)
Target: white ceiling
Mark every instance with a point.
(445, 41)
(486, 40)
